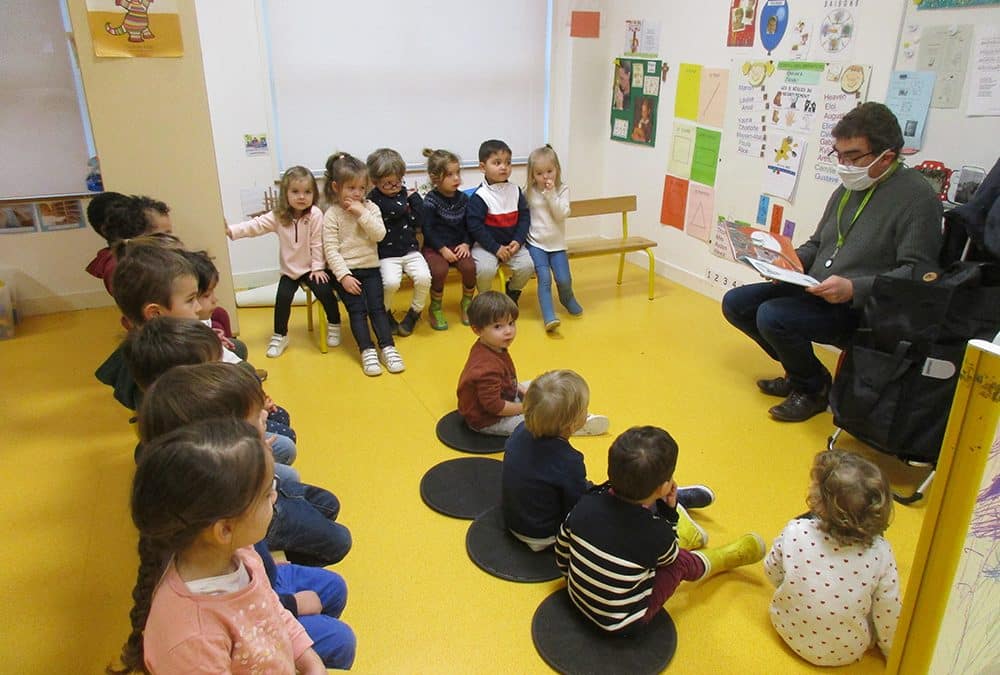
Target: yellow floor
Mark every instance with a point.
(418, 605)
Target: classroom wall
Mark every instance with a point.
(168, 150)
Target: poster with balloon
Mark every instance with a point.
(773, 22)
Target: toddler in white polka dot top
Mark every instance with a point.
(837, 585)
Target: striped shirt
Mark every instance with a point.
(497, 214)
(609, 550)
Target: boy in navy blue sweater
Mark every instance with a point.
(498, 220)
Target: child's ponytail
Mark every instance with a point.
(152, 563)
(437, 163)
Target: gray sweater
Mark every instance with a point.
(899, 228)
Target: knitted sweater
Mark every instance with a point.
(898, 229)
(497, 215)
(350, 242)
(300, 243)
(401, 217)
(444, 220)
(549, 210)
(486, 382)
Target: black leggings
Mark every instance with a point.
(369, 305)
(286, 293)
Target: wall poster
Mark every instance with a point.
(635, 94)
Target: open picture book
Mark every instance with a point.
(771, 255)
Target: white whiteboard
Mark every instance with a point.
(448, 74)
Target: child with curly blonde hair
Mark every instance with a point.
(837, 583)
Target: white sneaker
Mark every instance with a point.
(333, 335)
(369, 362)
(393, 361)
(276, 346)
(594, 426)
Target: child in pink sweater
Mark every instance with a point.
(298, 222)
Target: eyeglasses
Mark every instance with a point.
(390, 185)
(847, 157)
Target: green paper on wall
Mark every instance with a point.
(705, 161)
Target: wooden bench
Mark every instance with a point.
(591, 246)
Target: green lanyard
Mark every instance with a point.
(841, 237)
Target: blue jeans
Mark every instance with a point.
(558, 263)
(304, 525)
(785, 320)
(333, 639)
(369, 305)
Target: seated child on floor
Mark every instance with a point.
(315, 596)
(115, 217)
(543, 475)
(619, 545)
(490, 399)
(164, 342)
(208, 314)
(201, 498)
(398, 252)
(848, 569)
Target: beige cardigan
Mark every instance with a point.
(349, 242)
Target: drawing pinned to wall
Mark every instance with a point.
(712, 96)
(796, 95)
(681, 150)
(752, 106)
(909, 97)
(65, 214)
(741, 22)
(18, 219)
(135, 28)
(945, 50)
(800, 41)
(836, 32)
(773, 23)
(844, 86)
(705, 159)
(984, 85)
(699, 211)
(688, 90)
(784, 161)
(674, 204)
(255, 145)
(642, 38)
(634, 98)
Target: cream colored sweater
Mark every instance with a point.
(349, 242)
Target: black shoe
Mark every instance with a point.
(393, 326)
(512, 294)
(779, 386)
(799, 406)
(408, 323)
(695, 496)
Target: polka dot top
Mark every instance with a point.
(832, 602)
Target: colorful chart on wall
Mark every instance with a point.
(635, 94)
(741, 22)
(773, 23)
(952, 4)
(836, 33)
(135, 28)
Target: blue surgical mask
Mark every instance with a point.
(856, 177)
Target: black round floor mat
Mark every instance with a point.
(572, 645)
(462, 487)
(456, 434)
(497, 551)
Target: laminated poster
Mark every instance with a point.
(135, 28)
(635, 94)
(741, 23)
(909, 98)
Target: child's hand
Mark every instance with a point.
(308, 603)
(447, 254)
(462, 251)
(356, 208)
(319, 277)
(229, 233)
(503, 254)
(351, 285)
(671, 497)
(269, 404)
(513, 247)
